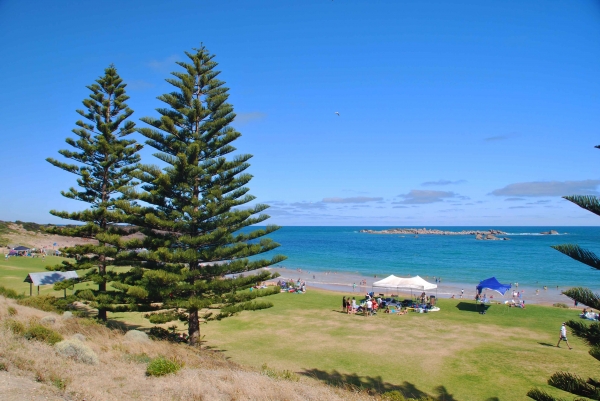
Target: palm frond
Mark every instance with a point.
(574, 384)
(584, 296)
(588, 202)
(579, 254)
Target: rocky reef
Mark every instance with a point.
(480, 235)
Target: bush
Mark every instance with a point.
(159, 318)
(15, 326)
(393, 396)
(40, 333)
(159, 333)
(46, 303)
(11, 311)
(77, 351)
(9, 293)
(161, 366)
(560, 305)
(79, 337)
(283, 374)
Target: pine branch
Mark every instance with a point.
(540, 395)
(584, 296)
(587, 202)
(579, 254)
(589, 332)
(574, 384)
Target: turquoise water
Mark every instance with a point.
(527, 258)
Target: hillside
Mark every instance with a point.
(32, 369)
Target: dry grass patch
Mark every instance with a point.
(120, 371)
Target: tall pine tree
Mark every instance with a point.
(104, 161)
(567, 381)
(192, 209)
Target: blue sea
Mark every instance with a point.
(527, 258)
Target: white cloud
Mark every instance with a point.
(417, 196)
(549, 188)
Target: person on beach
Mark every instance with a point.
(462, 292)
(563, 335)
(349, 306)
(344, 304)
(369, 307)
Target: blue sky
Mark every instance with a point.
(451, 113)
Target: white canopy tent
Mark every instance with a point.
(412, 283)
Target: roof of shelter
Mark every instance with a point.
(49, 277)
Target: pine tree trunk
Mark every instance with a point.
(193, 328)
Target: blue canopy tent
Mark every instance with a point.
(494, 285)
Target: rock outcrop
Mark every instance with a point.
(481, 235)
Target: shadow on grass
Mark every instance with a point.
(471, 307)
(375, 384)
(547, 345)
(124, 326)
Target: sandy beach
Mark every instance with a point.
(349, 283)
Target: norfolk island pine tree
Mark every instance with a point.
(567, 381)
(104, 163)
(191, 211)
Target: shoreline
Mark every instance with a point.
(343, 283)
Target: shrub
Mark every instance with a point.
(46, 303)
(40, 333)
(3, 366)
(159, 318)
(393, 396)
(79, 337)
(560, 305)
(67, 315)
(137, 336)
(77, 351)
(161, 366)
(15, 326)
(159, 333)
(11, 311)
(283, 374)
(9, 293)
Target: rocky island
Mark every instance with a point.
(479, 235)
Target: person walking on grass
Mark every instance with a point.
(563, 336)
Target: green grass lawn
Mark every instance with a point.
(14, 270)
(455, 354)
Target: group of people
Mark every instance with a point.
(291, 286)
(369, 306)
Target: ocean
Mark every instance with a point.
(526, 258)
